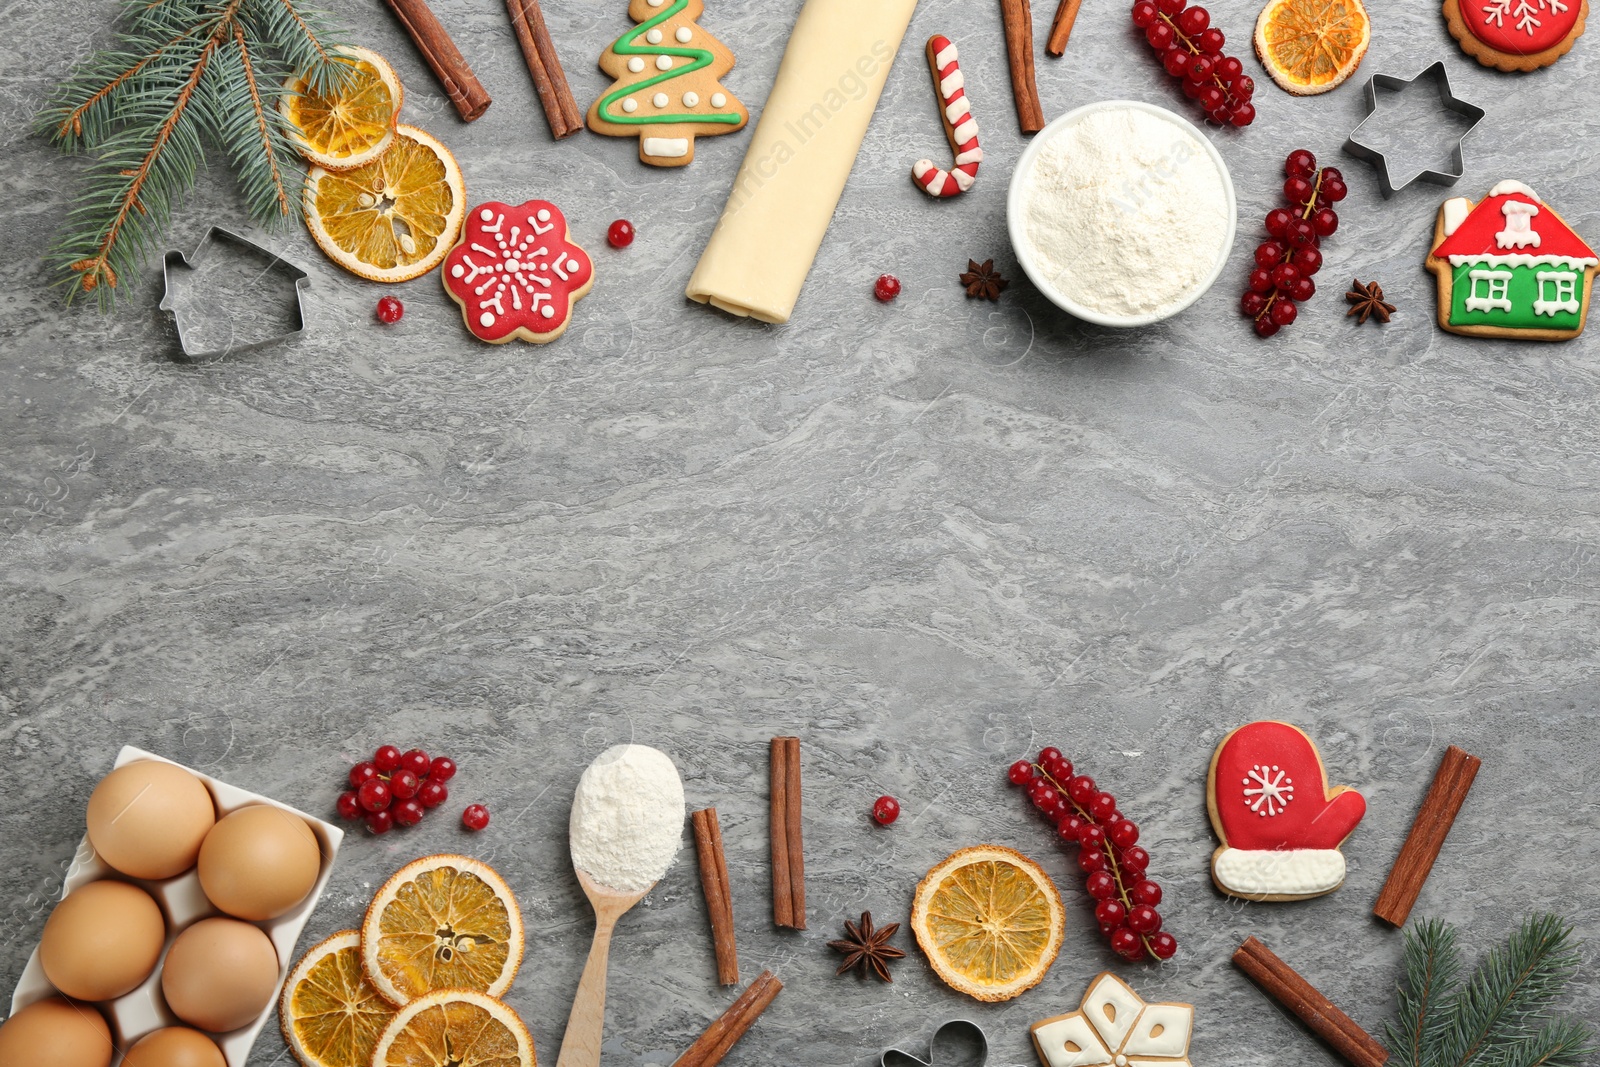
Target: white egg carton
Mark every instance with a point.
(184, 903)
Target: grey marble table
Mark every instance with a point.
(927, 537)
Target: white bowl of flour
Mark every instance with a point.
(1122, 213)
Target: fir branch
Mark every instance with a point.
(251, 132)
(1510, 990)
(1561, 1043)
(1433, 975)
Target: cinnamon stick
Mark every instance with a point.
(1061, 28)
(544, 67)
(1280, 982)
(788, 854)
(730, 1026)
(797, 856)
(449, 65)
(1438, 813)
(714, 882)
(1018, 18)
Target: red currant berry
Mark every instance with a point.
(1160, 35)
(1135, 858)
(1131, 878)
(1124, 834)
(886, 288)
(1171, 7)
(1049, 754)
(1243, 115)
(1309, 260)
(1110, 914)
(1335, 190)
(1260, 280)
(403, 784)
(1143, 919)
(386, 759)
(1091, 860)
(1244, 87)
(1020, 772)
(1125, 941)
(1146, 892)
(1278, 222)
(1269, 254)
(620, 234)
(1283, 312)
(1081, 789)
(1211, 42)
(362, 773)
(1102, 806)
(886, 810)
(1060, 809)
(1060, 769)
(1176, 61)
(1229, 68)
(1199, 67)
(349, 805)
(1297, 191)
(1211, 98)
(1219, 115)
(1144, 13)
(1101, 885)
(390, 310)
(1332, 174)
(379, 822)
(407, 812)
(475, 817)
(1325, 222)
(374, 794)
(417, 762)
(1191, 89)
(1163, 945)
(1043, 795)
(1285, 275)
(1300, 164)
(433, 793)
(1265, 327)
(1091, 836)
(1070, 827)
(443, 768)
(1303, 290)
(1194, 20)
(1252, 304)
(1302, 233)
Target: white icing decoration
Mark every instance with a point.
(486, 215)
(718, 100)
(1519, 231)
(636, 64)
(1566, 292)
(691, 99)
(683, 35)
(1520, 259)
(548, 311)
(1526, 13)
(659, 100)
(949, 85)
(1111, 1008)
(1114, 1027)
(946, 57)
(1268, 790)
(1163, 1030)
(1279, 872)
(1509, 186)
(543, 214)
(664, 147)
(630, 104)
(1494, 294)
(663, 62)
(486, 319)
(1456, 210)
(655, 3)
(457, 271)
(1071, 1042)
(654, 36)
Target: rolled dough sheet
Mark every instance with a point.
(800, 156)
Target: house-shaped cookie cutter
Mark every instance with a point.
(1447, 99)
(187, 321)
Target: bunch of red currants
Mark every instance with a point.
(1108, 853)
(397, 788)
(1191, 49)
(1292, 253)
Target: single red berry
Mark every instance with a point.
(1297, 190)
(417, 762)
(1101, 885)
(1302, 233)
(1309, 260)
(1332, 174)
(442, 769)
(1124, 834)
(374, 794)
(1042, 795)
(620, 234)
(1163, 945)
(386, 759)
(1091, 836)
(1102, 806)
(475, 817)
(1176, 61)
(1059, 809)
(407, 812)
(433, 793)
(1143, 919)
(390, 310)
(1325, 222)
(349, 805)
(1283, 312)
(1092, 859)
(1021, 772)
(1278, 221)
(379, 822)
(1211, 98)
(1049, 754)
(1110, 914)
(1300, 164)
(1303, 290)
(362, 773)
(1133, 859)
(1070, 826)
(1244, 87)
(1160, 35)
(1144, 13)
(886, 288)
(404, 784)
(1284, 275)
(1194, 20)
(1146, 892)
(1269, 254)
(1125, 941)
(1229, 68)
(886, 810)
(1199, 68)
(1131, 878)
(1260, 280)
(1211, 42)
(1252, 304)
(1265, 327)
(1081, 789)
(1171, 7)
(1243, 115)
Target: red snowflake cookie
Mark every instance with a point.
(516, 272)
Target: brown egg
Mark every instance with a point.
(102, 940)
(55, 1032)
(259, 862)
(220, 974)
(147, 819)
(175, 1046)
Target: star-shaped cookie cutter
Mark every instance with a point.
(1447, 99)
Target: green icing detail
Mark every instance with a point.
(702, 58)
(1522, 290)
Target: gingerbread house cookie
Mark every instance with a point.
(1509, 266)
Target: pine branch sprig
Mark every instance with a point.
(1433, 976)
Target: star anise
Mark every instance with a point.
(867, 947)
(982, 280)
(1367, 300)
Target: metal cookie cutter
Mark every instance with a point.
(231, 295)
(1447, 99)
(957, 1043)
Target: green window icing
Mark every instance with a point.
(624, 46)
(1485, 295)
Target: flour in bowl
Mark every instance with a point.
(1126, 212)
(627, 817)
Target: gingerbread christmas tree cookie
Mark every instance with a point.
(667, 91)
(1516, 34)
(1509, 266)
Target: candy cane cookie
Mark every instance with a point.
(959, 125)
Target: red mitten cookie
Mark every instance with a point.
(1279, 822)
(516, 273)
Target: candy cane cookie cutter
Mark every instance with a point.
(955, 111)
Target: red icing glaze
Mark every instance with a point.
(1521, 27)
(548, 273)
(1476, 234)
(1296, 808)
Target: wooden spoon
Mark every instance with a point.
(580, 1046)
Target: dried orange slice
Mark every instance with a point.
(395, 218)
(1312, 46)
(353, 126)
(330, 1014)
(455, 1026)
(990, 921)
(441, 922)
